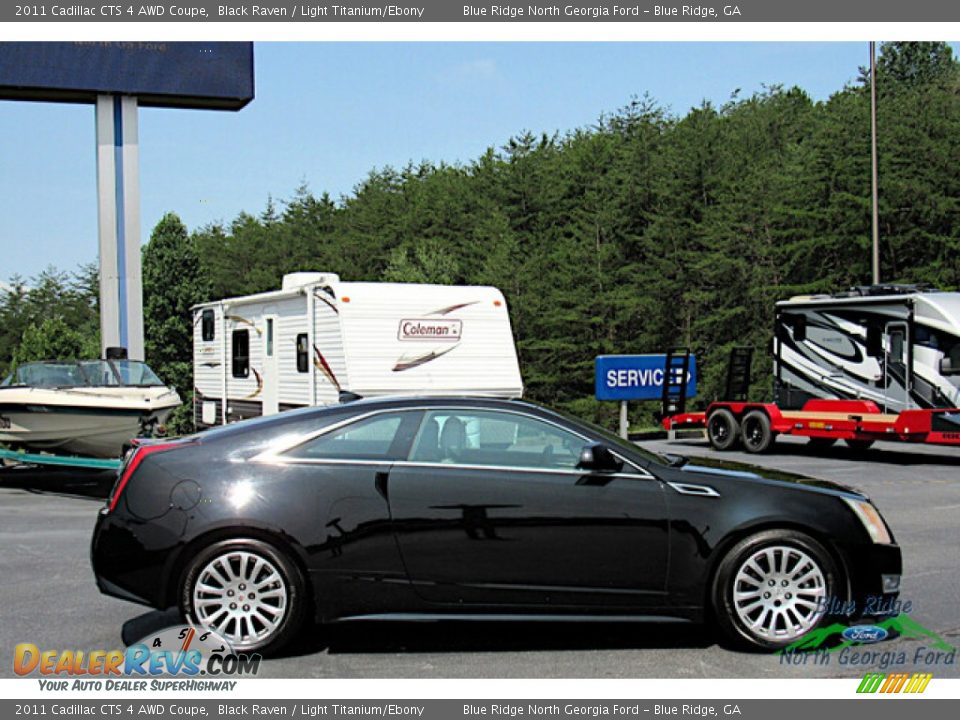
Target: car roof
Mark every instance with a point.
(426, 401)
(405, 400)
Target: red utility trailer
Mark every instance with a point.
(857, 422)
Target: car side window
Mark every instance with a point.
(380, 437)
(496, 439)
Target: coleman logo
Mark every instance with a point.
(430, 329)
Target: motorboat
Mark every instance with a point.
(82, 407)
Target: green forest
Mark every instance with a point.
(645, 231)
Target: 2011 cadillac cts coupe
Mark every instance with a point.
(471, 508)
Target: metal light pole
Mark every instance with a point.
(873, 160)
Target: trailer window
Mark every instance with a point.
(896, 345)
(303, 354)
(926, 337)
(207, 326)
(874, 341)
(269, 348)
(241, 353)
(800, 328)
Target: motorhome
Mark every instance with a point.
(319, 339)
(897, 345)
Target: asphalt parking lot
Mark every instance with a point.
(48, 595)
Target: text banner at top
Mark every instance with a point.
(454, 11)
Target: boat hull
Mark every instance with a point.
(78, 426)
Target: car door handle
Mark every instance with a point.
(380, 483)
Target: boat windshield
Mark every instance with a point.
(134, 372)
(84, 373)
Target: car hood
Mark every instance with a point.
(715, 467)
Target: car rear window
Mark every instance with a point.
(385, 436)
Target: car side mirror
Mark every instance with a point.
(598, 458)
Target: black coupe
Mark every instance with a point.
(469, 509)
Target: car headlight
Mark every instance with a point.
(870, 517)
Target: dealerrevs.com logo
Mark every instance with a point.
(178, 652)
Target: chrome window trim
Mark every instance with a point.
(514, 468)
(276, 454)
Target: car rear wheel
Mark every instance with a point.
(247, 592)
(722, 429)
(773, 588)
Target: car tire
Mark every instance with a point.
(722, 429)
(859, 445)
(747, 607)
(248, 592)
(755, 432)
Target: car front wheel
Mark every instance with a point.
(774, 588)
(247, 592)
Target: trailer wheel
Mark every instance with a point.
(756, 432)
(722, 429)
(859, 445)
(822, 442)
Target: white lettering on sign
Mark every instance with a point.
(430, 329)
(628, 378)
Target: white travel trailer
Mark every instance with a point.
(318, 338)
(897, 345)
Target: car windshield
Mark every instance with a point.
(83, 373)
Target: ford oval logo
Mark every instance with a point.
(865, 633)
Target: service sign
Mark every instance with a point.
(636, 377)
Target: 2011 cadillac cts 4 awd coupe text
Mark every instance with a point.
(469, 508)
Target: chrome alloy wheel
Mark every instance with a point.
(242, 596)
(779, 593)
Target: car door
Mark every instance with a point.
(490, 508)
(341, 476)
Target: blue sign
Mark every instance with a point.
(636, 377)
(208, 75)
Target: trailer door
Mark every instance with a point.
(896, 368)
(271, 368)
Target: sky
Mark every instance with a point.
(326, 114)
